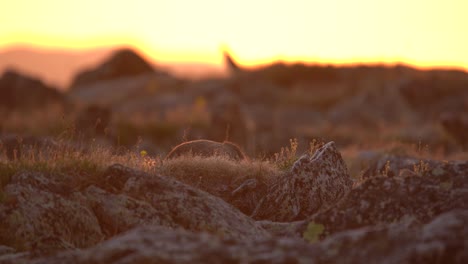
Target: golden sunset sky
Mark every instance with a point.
(418, 32)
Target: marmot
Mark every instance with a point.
(207, 148)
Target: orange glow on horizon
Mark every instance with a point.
(420, 33)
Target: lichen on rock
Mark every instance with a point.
(315, 182)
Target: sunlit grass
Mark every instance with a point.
(218, 175)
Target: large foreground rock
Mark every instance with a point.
(39, 208)
(314, 182)
(443, 240)
(49, 212)
(417, 196)
(185, 206)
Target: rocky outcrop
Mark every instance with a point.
(190, 208)
(371, 107)
(141, 217)
(443, 240)
(41, 208)
(151, 244)
(122, 63)
(314, 182)
(21, 92)
(383, 199)
(437, 172)
(437, 93)
(47, 212)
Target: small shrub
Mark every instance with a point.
(314, 145)
(287, 156)
(313, 232)
(386, 170)
(421, 168)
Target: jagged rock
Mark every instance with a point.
(231, 64)
(44, 213)
(314, 182)
(21, 92)
(443, 240)
(152, 244)
(189, 208)
(39, 207)
(118, 213)
(450, 174)
(122, 63)
(391, 199)
(207, 148)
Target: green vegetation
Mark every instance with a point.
(287, 155)
(313, 232)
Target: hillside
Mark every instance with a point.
(281, 163)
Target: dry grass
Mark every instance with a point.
(85, 165)
(217, 175)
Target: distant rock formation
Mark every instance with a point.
(283, 74)
(232, 65)
(434, 95)
(456, 125)
(22, 92)
(122, 63)
(207, 148)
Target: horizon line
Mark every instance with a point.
(308, 60)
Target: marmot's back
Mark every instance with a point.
(207, 148)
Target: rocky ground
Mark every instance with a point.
(312, 213)
(376, 170)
